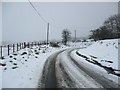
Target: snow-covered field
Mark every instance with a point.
(105, 52)
(102, 57)
(23, 69)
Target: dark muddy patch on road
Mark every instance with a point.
(48, 79)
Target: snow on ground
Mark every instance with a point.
(105, 52)
(80, 78)
(75, 77)
(92, 67)
(80, 44)
(5, 50)
(0, 77)
(23, 69)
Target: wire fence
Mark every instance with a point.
(12, 48)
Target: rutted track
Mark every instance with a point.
(57, 72)
(106, 83)
(49, 74)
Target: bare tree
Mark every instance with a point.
(66, 35)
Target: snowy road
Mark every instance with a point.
(49, 72)
(62, 70)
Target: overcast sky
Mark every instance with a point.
(21, 22)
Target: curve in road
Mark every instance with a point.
(58, 74)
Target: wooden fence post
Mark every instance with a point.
(32, 44)
(20, 45)
(24, 45)
(17, 46)
(28, 44)
(8, 50)
(38, 43)
(13, 48)
(1, 52)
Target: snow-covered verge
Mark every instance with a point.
(102, 56)
(104, 52)
(80, 44)
(95, 69)
(23, 69)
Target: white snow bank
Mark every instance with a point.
(93, 67)
(80, 44)
(104, 51)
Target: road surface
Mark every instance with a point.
(62, 71)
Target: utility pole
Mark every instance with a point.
(47, 33)
(1, 52)
(75, 35)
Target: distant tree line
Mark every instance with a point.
(109, 30)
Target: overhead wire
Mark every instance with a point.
(37, 12)
(47, 21)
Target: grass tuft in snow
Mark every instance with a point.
(11, 56)
(3, 57)
(14, 63)
(14, 67)
(37, 53)
(11, 61)
(4, 64)
(43, 51)
(24, 53)
(54, 45)
(15, 58)
(15, 54)
(5, 68)
(36, 57)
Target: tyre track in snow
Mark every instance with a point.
(105, 82)
(98, 78)
(49, 74)
(49, 79)
(78, 77)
